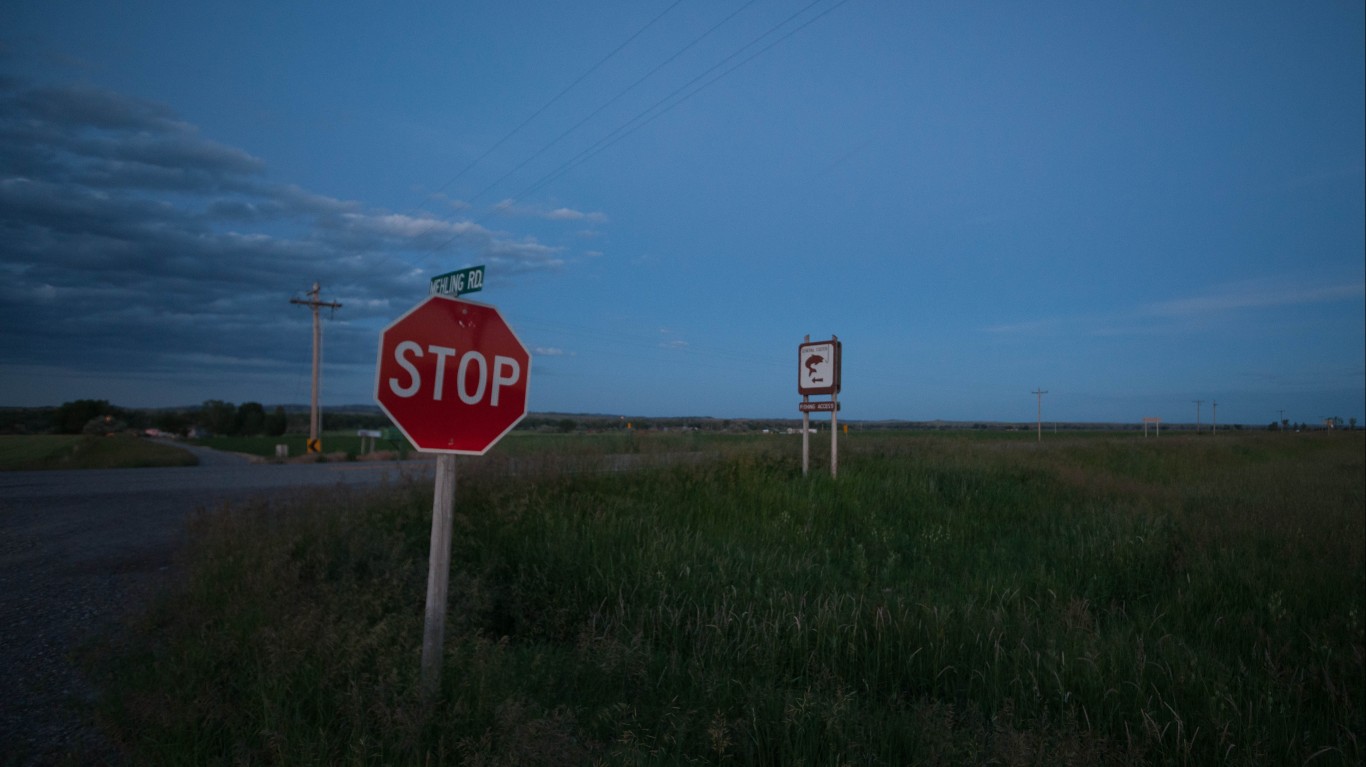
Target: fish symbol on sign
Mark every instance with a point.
(811, 363)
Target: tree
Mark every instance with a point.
(72, 417)
(250, 419)
(104, 425)
(218, 416)
(1352, 422)
(277, 423)
(173, 421)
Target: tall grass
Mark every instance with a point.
(949, 600)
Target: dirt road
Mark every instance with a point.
(79, 549)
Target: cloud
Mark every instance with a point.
(566, 214)
(88, 107)
(1255, 295)
(1168, 316)
(510, 207)
(1030, 326)
(549, 351)
(131, 243)
(669, 341)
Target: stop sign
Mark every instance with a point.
(452, 376)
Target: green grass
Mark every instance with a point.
(345, 442)
(514, 445)
(949, 600)
(62, 451)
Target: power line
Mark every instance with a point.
(638, 121)
(627, 128)
(612, 100)
(550, 103)
(516, 129)
(644, 117)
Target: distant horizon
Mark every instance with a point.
(817, 419)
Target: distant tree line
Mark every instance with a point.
(248, 419)
(218, 417)
(97, 416)
(1334, 422)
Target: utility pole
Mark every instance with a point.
(1039, 393)
(1214, 418)
(315, 445)
(1197, 402)
(1281, 423)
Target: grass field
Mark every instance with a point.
(74, 451)
(344, 442)
(516, 443)
(950, 599)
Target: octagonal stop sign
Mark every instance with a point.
(452, 376)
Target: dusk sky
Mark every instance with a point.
(1130, 205)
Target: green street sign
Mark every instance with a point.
(459, 282)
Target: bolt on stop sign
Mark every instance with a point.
(452, 376)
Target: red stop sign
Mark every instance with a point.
(452, 376)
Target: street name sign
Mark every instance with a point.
(458, 282)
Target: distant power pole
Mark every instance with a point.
(1039, 393)
(315, 418)
(1197, 402)
(1214, 418)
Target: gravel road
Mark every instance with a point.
(80, 549)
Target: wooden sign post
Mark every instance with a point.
(452, 376)
(438, 575)
(818, 372)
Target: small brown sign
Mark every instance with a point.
(817, 407)
(818, 367)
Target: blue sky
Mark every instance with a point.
(1132, 206)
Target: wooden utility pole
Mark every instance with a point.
(315, 418)
(1039, 393)
(1214, 419)
(1197, 402)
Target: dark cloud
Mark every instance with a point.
(81, 106)
(129, 242)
